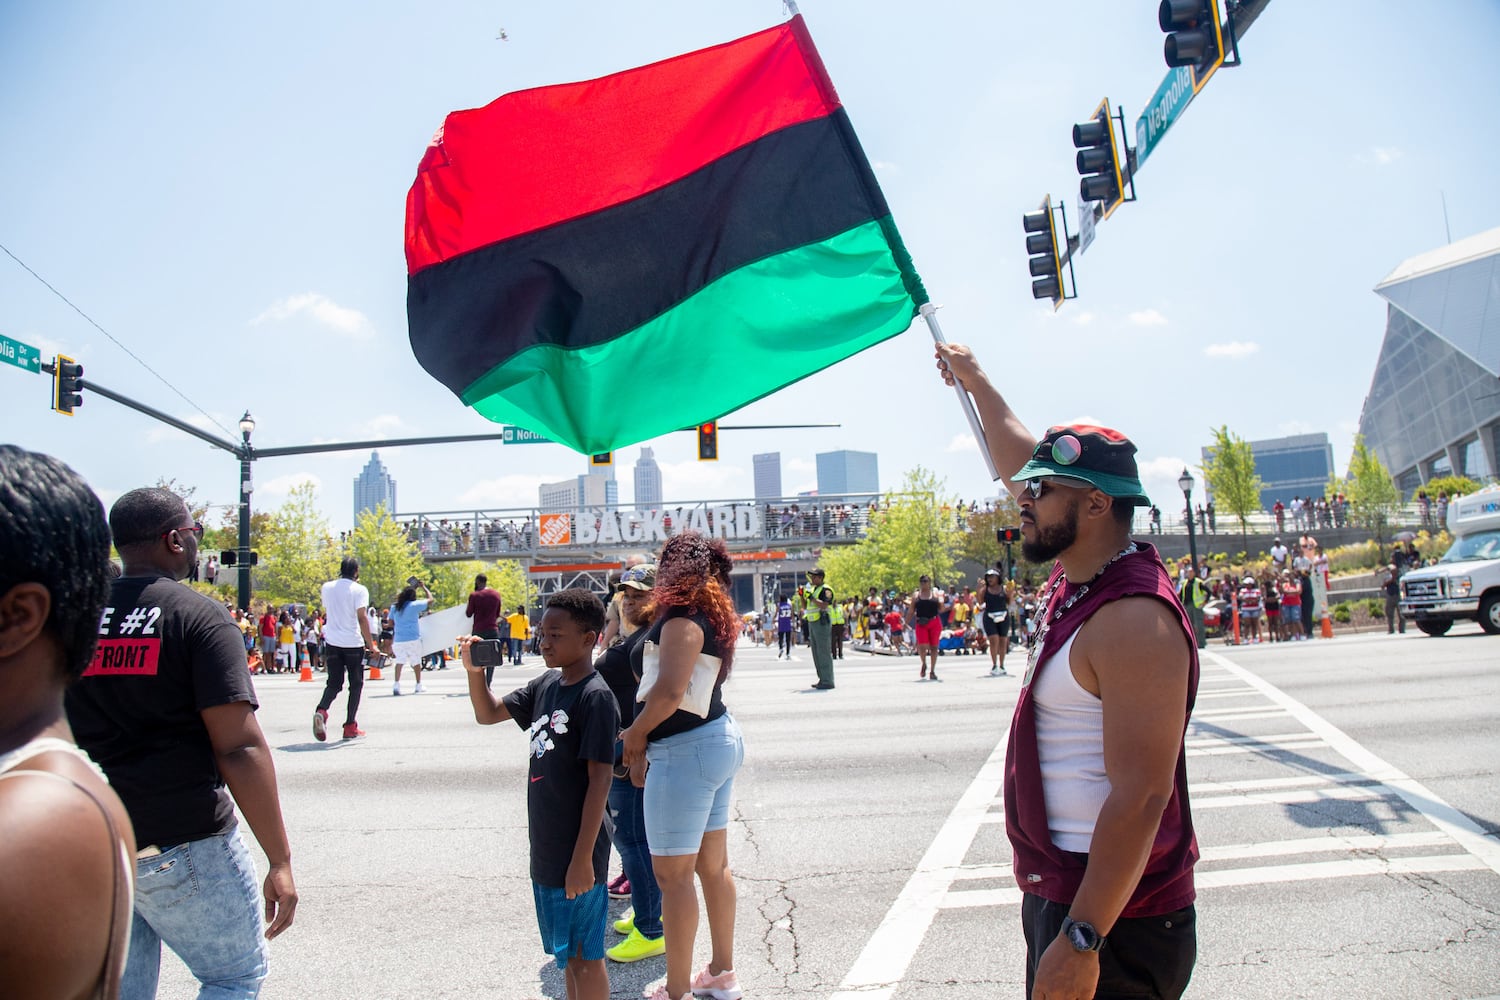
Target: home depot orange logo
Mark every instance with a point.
(555, 529)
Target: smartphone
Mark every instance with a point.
(413, 581)
(486, 653)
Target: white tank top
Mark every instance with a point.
(45, 744)
(1070, 746)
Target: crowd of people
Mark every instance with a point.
(989, 617)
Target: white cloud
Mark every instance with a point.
(161, 432)
(341, 319)
(1380, 156)
(1235, 350)
(1291, 427)
(886, 167)
(1083, 319)
(962, 443)
(1147, 317)
(272, 492)
(698, 479)
(382, 425)
(1159, 478)
(515, 490)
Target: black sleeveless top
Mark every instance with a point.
(926, 607)
(996, 601)
(681, 720)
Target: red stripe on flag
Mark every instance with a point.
(539, 157)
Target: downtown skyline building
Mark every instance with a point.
(647, 475)
(767, 475)
(1299, 465)
(595, 488)
(847, 472)
(374, 486)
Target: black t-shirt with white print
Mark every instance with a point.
(569, 725)
(165, 654)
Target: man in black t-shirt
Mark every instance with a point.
(167, 709)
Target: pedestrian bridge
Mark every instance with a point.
(773, 542)
(535, 534)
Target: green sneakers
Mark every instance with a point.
(626, 924)
(637, 946)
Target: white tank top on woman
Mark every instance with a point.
(1070, 746)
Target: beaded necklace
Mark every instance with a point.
(1034, 646)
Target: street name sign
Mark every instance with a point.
(1164, 108)
(520, 435)
(13, 352)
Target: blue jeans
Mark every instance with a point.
(627, 807)
(202, 899)
(515, 651)
(689, 784)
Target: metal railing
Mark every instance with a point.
(744, 524)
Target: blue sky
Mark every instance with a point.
(221, 188)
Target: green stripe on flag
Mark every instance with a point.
(751, 332)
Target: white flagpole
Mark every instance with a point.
(929, 312)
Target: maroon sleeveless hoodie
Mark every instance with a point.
(1041, 867)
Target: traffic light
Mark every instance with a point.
(603, 458)
(228, 557)
(66, 390)
(708, 441)
(1007, 535)
(1041, 246)
(1195, 36)
(1099, 160)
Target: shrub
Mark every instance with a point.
(1375, 607)
(1342, 614)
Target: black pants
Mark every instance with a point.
(342, 659)
(784, 643)
(1143, 957)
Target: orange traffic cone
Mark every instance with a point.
(1327, 626)
(375, 674)
(306, 673)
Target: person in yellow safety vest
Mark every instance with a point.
(836, 616)
(817, 599)
(1193, 593)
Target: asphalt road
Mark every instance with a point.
(1344, 790)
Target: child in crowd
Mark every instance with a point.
(572, 720)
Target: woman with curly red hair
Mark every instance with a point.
(694, 749)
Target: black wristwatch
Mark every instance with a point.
(1081, 936)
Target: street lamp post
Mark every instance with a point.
(242, 555)
(1185, 483)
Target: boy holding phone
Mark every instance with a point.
(572, 720)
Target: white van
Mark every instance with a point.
(1465, 584)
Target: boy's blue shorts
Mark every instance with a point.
(571, 928)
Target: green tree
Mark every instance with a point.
(452, 582)
(1230, 472)
(1451, 486)
(387, 557)
(297, 554)
(915, 532)
(979, 543)
(1374, 500)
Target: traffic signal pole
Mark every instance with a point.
(247, 453)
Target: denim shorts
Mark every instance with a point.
(571, 928)
(689, 782)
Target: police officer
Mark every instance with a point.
(820, 627)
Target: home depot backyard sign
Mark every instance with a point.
(604, 527)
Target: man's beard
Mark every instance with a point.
(1053, 540)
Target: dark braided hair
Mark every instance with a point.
(689, 575)
(52, 532)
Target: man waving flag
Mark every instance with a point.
(706, 225)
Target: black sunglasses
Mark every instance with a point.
(1037, 488)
